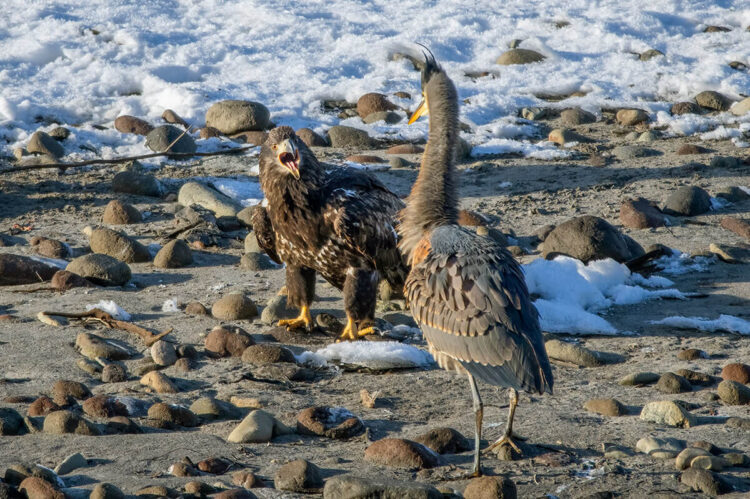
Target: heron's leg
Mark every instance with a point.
(360, 291)
(300, 285)
(478, 414)
(507, 436)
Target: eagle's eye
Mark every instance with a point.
(275, 147)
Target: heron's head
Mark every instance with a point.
(430, 69)
(283, 145)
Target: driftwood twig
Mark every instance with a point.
(100, 315)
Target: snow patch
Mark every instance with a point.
(728, 323)
(170, 306)
(542, 150)
(375, 355)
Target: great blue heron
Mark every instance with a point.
(466, 292)
(338, 223)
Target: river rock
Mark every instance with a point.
(102, 406)
(331, 422)
(350, 487)
(605, 407)
(736, 372)
(742, 107)
(11, 423)
(641, 213)
(252, 137)
(42, 406)
(117, 245)
(673, 383)
(490, 487)
(62, 422)
(256, 261)
(234, 306)
(131, 124)
(686, 456)
(349, 137)
(578, 355)
(576, 116)
(174, 254)
(173, 414)
(519, 56)
(733, 393)
(703, 481)
(732, 193)
(630, 117)
(114, 373)
(650, 54)
(277, 309)
(34, 487)
(590, 238)
(687, 201)
(713, 100)
(311, 138)
(118, 213)
(267, 353)
(52, 248)
(373, 103)
(400, 453)
(161, 137)
(159, 382)
(258, 426)
(627, 153)
(93, 346)
(194, 193)
(209, 409)
(679, 108)
(163, 353)
(709, 462)
(639, 379)
(669, 413)
(298, 476)
(444, 441)
(234, 116)
(133, 182)
(17, 269)
(41, 143)
(225, 341)
(101, 269)
(65, 392)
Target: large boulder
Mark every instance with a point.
(590, 238)
(101, 269)
(18, 269)
(234, 116)
(687, 201)
(208, 198)
(349, 137)
(161, 137)
(117, 245)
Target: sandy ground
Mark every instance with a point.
(33, 356)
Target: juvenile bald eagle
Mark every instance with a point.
(337, 223)
(466, 292)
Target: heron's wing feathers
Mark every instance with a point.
(475, 307)
(264, 232)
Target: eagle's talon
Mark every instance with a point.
(366, 331)
(349, 333)
(304, 321)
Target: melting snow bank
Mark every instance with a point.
(728, 323)
(571, 292)
(542, 150)
(682, 263)
(111, 308)
(374, 355)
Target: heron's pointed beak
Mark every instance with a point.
(421, 110)
(288, 156)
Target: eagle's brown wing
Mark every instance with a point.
(264, 233)
(362, 212)
(471, 301)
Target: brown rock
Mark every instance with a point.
(64, 280)
(234, 306)
(444, 441)
(365, 159)
(696, 378)
(65, 392)
(159, 382)
(182, 470)
(470, 218)
(630, 117)
(673, 383)
(118, 213)
(62, 422)
(331, 422)
(713, 101)
(174, 254)
(373, 103)
(686, 149)
(519, 56)
(310, 138)
(234, 494)
(173, 414)
(563, 136)
(266, 353)
(576, 116)
(685, 108)
(227, 341)
(196, 308)
(208, 131)
(171, 117)
(42, 406)
(733, 393)
(118, 245)
(106, 491)
(215, 465)
(490, 487)
(590, 238)
(736, 225)
(123, 425)
(246, 479)
(298, 476)
(252, 137)
(716, 29)
(41, 143)
(400, 453)
(736, 372)
(605, 407)
(52, 248)
(114, 373)
(102, 406)
(405, 149)
(17, 269)
(37, 488)
(131, 124)
(641, 213)
(692, 354)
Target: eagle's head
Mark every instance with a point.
(283, 147)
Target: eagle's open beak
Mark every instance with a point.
(421, 110)
(289, 157)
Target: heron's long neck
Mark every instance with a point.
(433, 200)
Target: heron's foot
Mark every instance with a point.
(505, 440)
(304, 321)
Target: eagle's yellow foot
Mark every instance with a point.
(366, 331)
(505, 440)
(304, 321)
(349, 333)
